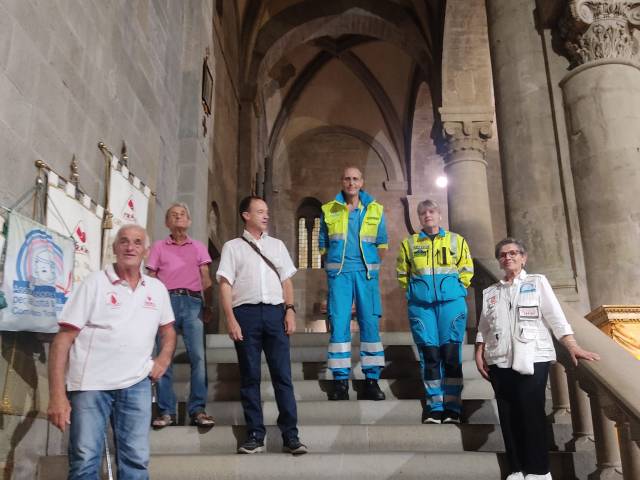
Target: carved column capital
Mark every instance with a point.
(600, 29)
(464, 137)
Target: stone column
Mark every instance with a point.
(580, 414)
(602, 100)
(467, 191)
(629, 451)
(604, 431)
(531, 152)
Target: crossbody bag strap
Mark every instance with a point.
(267, 261)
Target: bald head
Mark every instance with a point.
(352, 182)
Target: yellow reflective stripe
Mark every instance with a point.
(383, 245)
(438, 271)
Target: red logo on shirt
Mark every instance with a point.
(149, 303)
(112, 300)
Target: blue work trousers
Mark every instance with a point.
(438, 331)
(187, 311)
(130, 412)
(344, 289)
(262, 328)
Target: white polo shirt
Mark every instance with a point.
(117, 327)
(252, 280)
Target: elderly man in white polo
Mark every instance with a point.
(104, 349)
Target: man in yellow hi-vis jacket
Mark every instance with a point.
(352, 239)
(435, 267)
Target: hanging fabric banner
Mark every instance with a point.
(128, 203)
(38, 276)
(71, 217)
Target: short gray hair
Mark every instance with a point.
(508, 241)
(132, 226)
(177, 204)
(428, 203)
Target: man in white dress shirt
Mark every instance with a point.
(257, 297)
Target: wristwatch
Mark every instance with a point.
(290, 306)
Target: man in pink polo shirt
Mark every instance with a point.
(182, 264)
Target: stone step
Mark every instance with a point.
(309, 390)
(350, 438)
(364, 412)
(304, 339)
(393, 353)
(320, 466)
(222, 372)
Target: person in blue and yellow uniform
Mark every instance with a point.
(435, 267)
(353, 238)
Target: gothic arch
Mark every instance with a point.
(307, 21)
(393, 169)
(362, 72)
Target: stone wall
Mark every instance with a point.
(75, 72)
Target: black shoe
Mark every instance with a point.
(340, 390)
(430, 416)
(294, 446)
(372, 390)
(449, 416)
(252, 445)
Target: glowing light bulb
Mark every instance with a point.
(442, 181)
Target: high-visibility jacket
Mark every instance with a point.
(434, 270)
(334, 227)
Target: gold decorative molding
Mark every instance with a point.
(621, 323)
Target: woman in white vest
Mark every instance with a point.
(514, 350)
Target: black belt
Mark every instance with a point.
(185, 291)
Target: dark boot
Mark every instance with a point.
(340, 390)
(371, 390)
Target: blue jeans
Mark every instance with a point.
(187, 312)
(262, 327)
(130, 412)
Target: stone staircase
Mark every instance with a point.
(355, 439)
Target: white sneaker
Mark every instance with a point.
(531, 476)
(516, 476)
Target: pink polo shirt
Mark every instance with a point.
(178, 266)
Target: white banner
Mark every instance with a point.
(128, 204)
(38, 276)
(71, 217)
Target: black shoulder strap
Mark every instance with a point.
(267, 261)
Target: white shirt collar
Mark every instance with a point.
(251, 238)
(521, 276)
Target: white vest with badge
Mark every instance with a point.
(522, 335)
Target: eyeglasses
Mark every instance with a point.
(510, 253)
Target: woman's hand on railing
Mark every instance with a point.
(481, 363)
(576, 351)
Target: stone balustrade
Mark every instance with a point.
(603, 397)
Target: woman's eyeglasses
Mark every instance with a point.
(510, 253)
